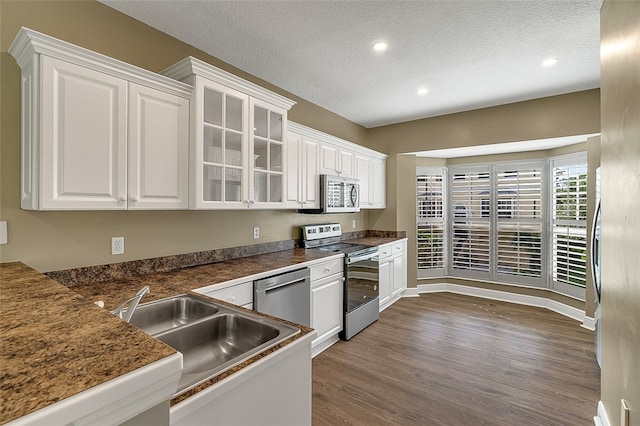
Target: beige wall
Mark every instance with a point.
(620, 168)
(59, 240)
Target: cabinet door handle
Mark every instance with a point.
(134, 199)
(122, 199)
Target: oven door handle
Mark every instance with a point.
(366, 256)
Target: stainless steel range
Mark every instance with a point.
(361, 302)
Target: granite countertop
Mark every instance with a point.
(172, 283)
(374, 241)
(56, 343)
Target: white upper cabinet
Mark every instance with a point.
(267, 186)
(370, 171)
(303, 183)
(238, 150)
(98, 134)
(83, 148)
(219, 170)
(158, 149)
(378, 182)
(336, 157)
(336, 160)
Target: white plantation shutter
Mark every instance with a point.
(569, 224)
(470, 219)
(519, 221)
(430, 221)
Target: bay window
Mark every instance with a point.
(519, 223)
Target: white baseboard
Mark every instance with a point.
(601, 419)
(411, 292)
(505, 296)
(589, 323)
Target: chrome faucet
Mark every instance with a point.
(124, 312)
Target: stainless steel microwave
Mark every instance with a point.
(339, 194)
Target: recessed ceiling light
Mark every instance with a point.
(549, 62)
(422, 91)
(380, 46)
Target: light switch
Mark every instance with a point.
(3, 232)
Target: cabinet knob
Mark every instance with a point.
(134, 199)
(122, 199)
(231, 298)
(327, 270)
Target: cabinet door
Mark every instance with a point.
(294, 170)
(385, 271)
(329, 159)
(84, 138)
(158, 149)
(363, 173)
(399, 282)
(220, 146)
(347, 163)
(310, 181)
(336, 160)
(378, 184)
(267, 155)
(326, 307)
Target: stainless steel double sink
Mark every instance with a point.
(212, 337)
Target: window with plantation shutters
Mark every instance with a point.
(517, 223)
(519, 241)
(470, 219)
(430, 190)
(569, 223)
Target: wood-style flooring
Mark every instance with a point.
(447, 359)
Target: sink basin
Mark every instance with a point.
(211, 337)
(160, 315)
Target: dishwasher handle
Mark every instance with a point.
(268, 284)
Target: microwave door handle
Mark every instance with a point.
(354, 195)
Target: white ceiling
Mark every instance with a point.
(469, 54)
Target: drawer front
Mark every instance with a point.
(385, 250)
(398, 247)
(240, 294)
(391, 249)
(325, 269)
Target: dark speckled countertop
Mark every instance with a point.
(56, 343)
(172, 283)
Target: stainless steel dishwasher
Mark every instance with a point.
(286, 296)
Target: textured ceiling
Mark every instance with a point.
(469, 54)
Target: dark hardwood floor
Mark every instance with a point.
(447, 359)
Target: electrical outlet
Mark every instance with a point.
(117, 245)
(353, 223)
(3, 232)
(256, 232)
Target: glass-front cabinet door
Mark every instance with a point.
(267, 156)
(222, 160)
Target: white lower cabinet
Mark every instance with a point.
(393, 272)
(237, 294)
(327, 291)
